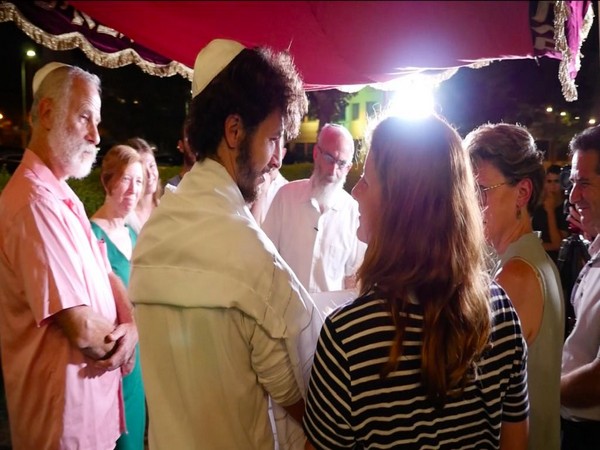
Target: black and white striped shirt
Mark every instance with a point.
(350, 406)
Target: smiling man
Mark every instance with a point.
(224, 324)
(579, 384)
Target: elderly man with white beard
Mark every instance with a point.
(313, 222)
(66, 328)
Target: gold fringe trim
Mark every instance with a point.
(69, 41)
(561, 14)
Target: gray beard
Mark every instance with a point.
(75, 158)
(325, 194)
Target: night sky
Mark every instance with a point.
(135, 103)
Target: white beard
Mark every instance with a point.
(75, 158)
(325, 194)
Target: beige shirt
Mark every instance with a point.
(222, 321)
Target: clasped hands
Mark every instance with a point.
(122, 355)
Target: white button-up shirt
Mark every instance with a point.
(583, 344)
(321, 248)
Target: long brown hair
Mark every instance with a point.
(428, 242)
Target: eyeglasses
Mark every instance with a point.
(482, 191)
(342, 164)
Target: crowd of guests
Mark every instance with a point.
(203, 303)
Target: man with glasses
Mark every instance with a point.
(313, 222)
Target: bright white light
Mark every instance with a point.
(592, 121)
(413, 98)
(1, 116)
(549, 109)
(563, 114)
(30, 53)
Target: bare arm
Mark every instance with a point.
(519, 281)
(122, 302)
(514, 435)
(86, 330)
(553, 231)
(581, 388)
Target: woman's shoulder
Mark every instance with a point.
(518, 270)
(358, 308)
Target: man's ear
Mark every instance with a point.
(234, 131)
(45, 111)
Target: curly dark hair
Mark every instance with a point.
(257, 82)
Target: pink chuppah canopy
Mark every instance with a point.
(334, 44)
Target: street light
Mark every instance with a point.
(28, 54)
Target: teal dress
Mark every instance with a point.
(133, 386)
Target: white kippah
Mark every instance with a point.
(211, 60)
(41, 74)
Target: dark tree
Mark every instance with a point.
(328, 105)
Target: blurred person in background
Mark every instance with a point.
(510, 176)
(153, 190)
(189, 158)
(122, 177)
(431, 354)
(549, 217)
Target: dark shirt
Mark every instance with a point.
(540, 223)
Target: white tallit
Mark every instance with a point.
(203, 249)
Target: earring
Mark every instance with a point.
(518, 212)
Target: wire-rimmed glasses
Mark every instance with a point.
(482, 191)
(342, 164)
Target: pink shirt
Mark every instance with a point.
(51, 261)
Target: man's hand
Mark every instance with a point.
(575, 225)
(86, 330)
(125, 337)
(574, 220)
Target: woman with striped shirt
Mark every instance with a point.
(431, 355)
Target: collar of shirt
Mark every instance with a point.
(594, 248)
(59, 188)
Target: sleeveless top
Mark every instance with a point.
(545, 354)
